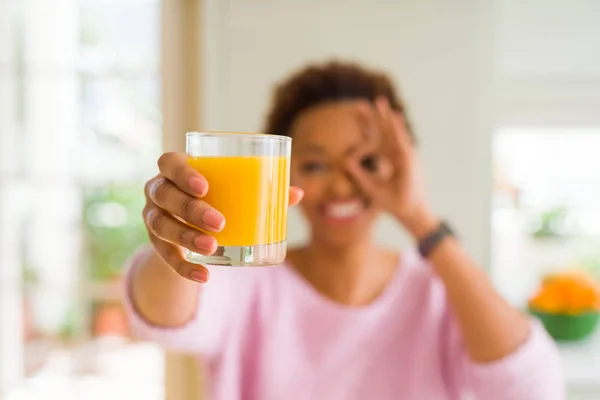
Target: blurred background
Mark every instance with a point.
(504, 95)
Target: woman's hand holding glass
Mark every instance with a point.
(175, 210)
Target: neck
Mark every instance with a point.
(353, 275)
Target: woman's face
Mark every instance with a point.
(336, 208)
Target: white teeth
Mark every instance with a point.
(344, 210)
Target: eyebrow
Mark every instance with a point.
(310, 148)
(317, 149)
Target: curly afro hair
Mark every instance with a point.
(329, 82)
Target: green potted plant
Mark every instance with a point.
(114, 230)
(550, 223)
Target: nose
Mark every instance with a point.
(341, 184)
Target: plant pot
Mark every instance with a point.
(567, 327)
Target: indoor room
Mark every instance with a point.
(498, 104)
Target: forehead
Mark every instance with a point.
(333, 127)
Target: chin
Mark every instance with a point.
(345, 241)
(344, 233)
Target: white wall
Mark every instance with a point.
(548, 62)
(438, 51)
(548, 37)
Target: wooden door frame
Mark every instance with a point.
(182, 93)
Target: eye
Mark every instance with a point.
(313, 167)
(369, 163)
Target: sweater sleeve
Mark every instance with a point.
(205, 332)
(532, 371)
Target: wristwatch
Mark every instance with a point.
(430, 242)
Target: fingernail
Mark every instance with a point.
(198, 185)
(206, 243)
(199, 276)
(214, 220)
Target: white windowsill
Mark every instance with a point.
(110, 369)
(582, 364)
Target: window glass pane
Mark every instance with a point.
(121, 119)
(41, 221)
(50, 325)
(113, 228)
(80, 130)
(119, 35)
(546, 205)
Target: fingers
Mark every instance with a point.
(367, 120)
(166, 227)
(360, 175)
(369, 169)
(172, 255)
(296, 195)
(380, 124)
(386, 124)
(393, 127)
(175, 168)
(171, 199)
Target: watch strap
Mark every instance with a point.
(430, 242)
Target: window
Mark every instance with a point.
(546, 205)
(546, 218)
(79, 133)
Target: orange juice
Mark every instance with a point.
(251, 192)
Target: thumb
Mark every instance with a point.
(296, 195)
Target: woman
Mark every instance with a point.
(343, 318)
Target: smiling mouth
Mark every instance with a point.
(344, 211)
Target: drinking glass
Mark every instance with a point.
(248, 182)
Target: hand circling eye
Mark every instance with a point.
(391, 175)
(370, 163)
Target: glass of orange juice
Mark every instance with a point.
(248, 178)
